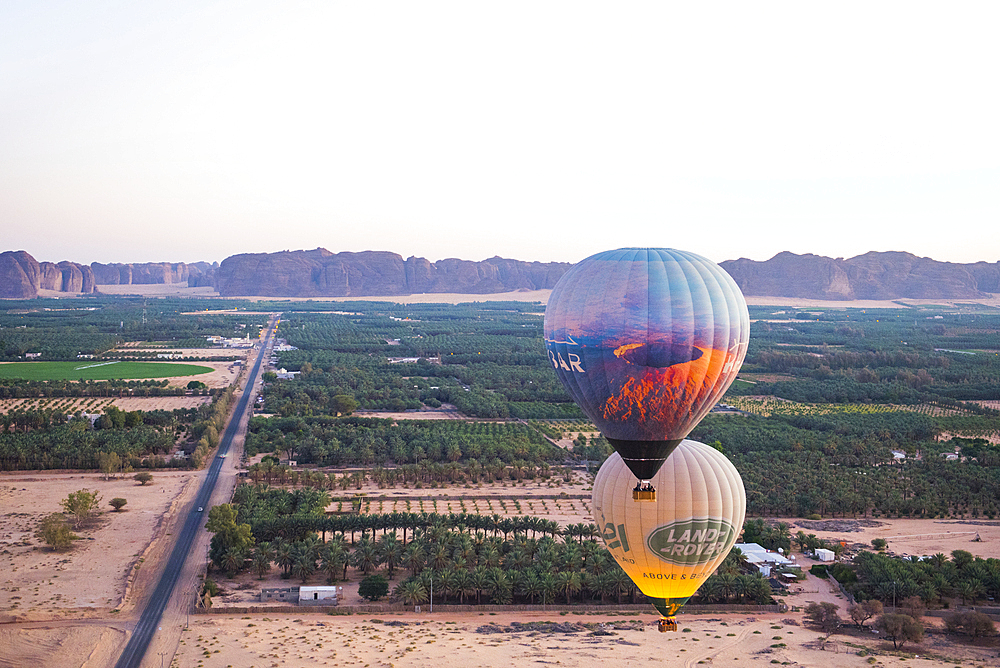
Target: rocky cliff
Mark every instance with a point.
(66, 277)
(19, 275)
(891, 275)
(320, 273)
(147, 273)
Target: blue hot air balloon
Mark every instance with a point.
(646, 341)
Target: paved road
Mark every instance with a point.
(148, 622)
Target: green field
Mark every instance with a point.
(96, 370)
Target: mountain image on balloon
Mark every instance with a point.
(646, 341)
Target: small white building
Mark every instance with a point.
(765, 560)
(319, 595)
(824, 555)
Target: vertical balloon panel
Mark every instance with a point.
(670, 547)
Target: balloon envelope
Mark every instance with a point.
(671, 546)
(646, 341)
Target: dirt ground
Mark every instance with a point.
(507, 499)
(445, 412)
(140, 346)
(918, 537)
(97, 404)
(90, 577)
(450, 640)
(154, 290)
(223, 374)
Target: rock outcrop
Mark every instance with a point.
(19, 275)
(151, 273)
(66, 277)
(891, 275)
(320, 273)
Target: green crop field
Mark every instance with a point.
(96, 370)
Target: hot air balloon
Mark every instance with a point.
(646, 341)
(669, 548)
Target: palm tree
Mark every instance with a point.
(709, 591)
(489, 556)
(232, 561)
(572, 557)
(413, 557)
(598, 563)
(304, 566)
(390, 551)
(412, 592)
(479, 580)
(800, 539)
(499, 584)
(365, 557)
(461, 582)
(260, 562)
(531, 585)
(727, 585)
(284, 557)
(760, 588)
(550, 587)
(742, 587)
(569, 583)
(622, 582)
(604, 585)
(334, 560)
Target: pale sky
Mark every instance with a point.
(184, 131)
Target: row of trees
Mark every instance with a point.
(329, 441)
(49, 439)
(503, 559)
(425, 473)
(843, 465)
(933, 580)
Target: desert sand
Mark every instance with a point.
(91, 577)
(305, 638)
(918, 537)
(566, 639)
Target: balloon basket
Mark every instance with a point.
(644, 495)
(667, 624)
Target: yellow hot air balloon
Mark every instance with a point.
(671, 547)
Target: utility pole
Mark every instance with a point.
(432, 592)
(162, 654)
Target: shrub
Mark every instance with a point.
(970, 623)
(823, 615)
(117, 503)
(373, 587)
(81, 505)
(900, 628)
(54, 530)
